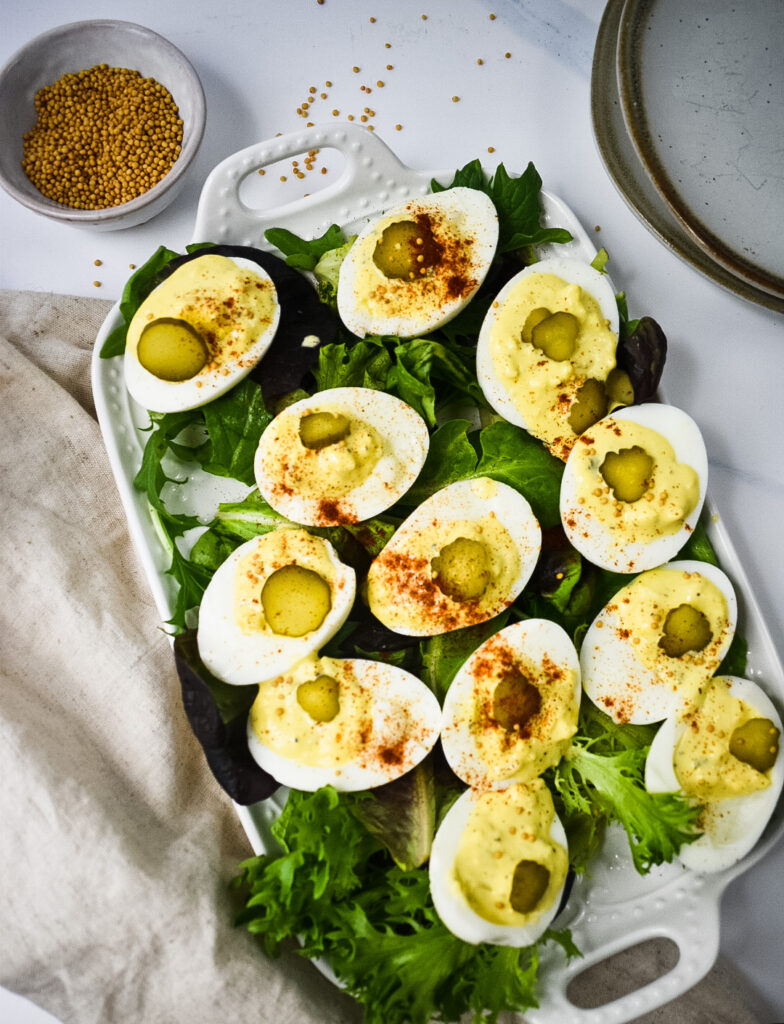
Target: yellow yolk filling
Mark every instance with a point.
(506, 827)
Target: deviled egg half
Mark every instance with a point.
(512, 708)
(633, 487)
(348, 723)
(658, 640)
(722, 753)
(341, 456)
(499, 864)
(414, 268)
(199, 332)
(276, 599)
(460, 558)
(547, 349)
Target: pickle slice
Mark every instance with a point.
(627, 472)
(529, 884)
(462, 569)
(295, 600)
(515, 702)
(590, 405)
(320, 429)
(170, 349)
(756, 743)
(320, 698)
(406, 250)
(686, 629)
(556, 336)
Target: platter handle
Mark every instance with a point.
(688, 917)
(372, 178)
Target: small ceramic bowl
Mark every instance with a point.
(76, 47)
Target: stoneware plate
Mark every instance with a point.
(702, 87)
(630, 177)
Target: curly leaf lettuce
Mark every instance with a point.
(602, 776)
(334, 887)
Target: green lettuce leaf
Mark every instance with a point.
(136, 290)
(423, 372)
(517, 201)
(421, 364)
(302, 253)
(402, 815)
(327, 271)
(234, 423)
(503, 452)
(191, 578)
(363, 364)
(444, 654)
(251, 517)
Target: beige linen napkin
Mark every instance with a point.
(116, 845)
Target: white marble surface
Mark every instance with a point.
(257, 61)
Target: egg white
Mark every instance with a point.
(469, 214)
(465, 500)
(542, 645)
(406, 717)
(573, 271)
(242, 658)
(405, 438)
(450, 904)
(627, 554)
(619, 683)
(731, 827)
(159, 395)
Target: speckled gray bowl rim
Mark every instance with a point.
(641, 121)
(629, 176)
(39, 203)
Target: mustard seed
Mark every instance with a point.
(103, 136)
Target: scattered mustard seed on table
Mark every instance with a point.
(103, 136)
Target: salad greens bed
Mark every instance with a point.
(350, 877)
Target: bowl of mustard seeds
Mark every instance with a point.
(99, 123)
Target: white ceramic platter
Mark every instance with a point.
(615, 908)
